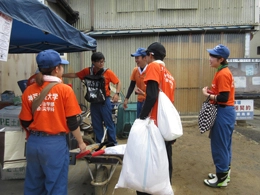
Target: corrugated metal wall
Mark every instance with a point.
(84, 7)
(254, 44)
(186, 58)
(136, 14)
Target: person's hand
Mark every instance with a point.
(125, 104)
(139, 91)
(82, 147)
(204, 91)
(115, 98)
(173, 141)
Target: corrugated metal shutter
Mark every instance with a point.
(186, 58)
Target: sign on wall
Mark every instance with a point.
(246, 73)
(5, 32)
(244, 109)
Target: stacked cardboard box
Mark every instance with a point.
(12, 144)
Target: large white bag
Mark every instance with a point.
(168, 118)
(145, 165)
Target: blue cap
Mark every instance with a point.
(139, 52)
(220, 50)
(49, 58)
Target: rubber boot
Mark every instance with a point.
(219, 181)
(212, 175)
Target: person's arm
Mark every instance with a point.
(73, 126)
(116, 95)
(77, 134)
(130, 89)
(70, 75)
(222, 97)
(25, 124)
(152, 91)
(129, 92)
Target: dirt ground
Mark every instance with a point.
(192, 162)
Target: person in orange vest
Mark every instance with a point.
(47, 151)
(157, 77)
(101, 112)
(137, 79)
(222, 93)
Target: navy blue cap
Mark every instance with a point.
(220, 50)
(49, 58)
(139, 52)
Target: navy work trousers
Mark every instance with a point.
(102, 112)
(47, 165)
(221, 138)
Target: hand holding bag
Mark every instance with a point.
(207, 116)
(168, 118)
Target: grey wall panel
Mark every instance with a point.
(177, 4)
(254, 44)
(109, 14)
(134, 5)
(136, 14)
(84, 7)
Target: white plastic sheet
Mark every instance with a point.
(168, 118)
(145, 165)
(119, 149)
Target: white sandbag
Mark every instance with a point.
(168, 118)
(145, 164)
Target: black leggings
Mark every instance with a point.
(169, 155)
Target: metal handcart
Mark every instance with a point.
(105, 166)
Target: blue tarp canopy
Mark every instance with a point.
(36, 27)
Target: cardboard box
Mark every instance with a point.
(9, 118)
(12, 159)
(15, 172)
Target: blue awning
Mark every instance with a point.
(36, 27)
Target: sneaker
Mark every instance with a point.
(214, 183)
(220, 180)
(212, 175)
